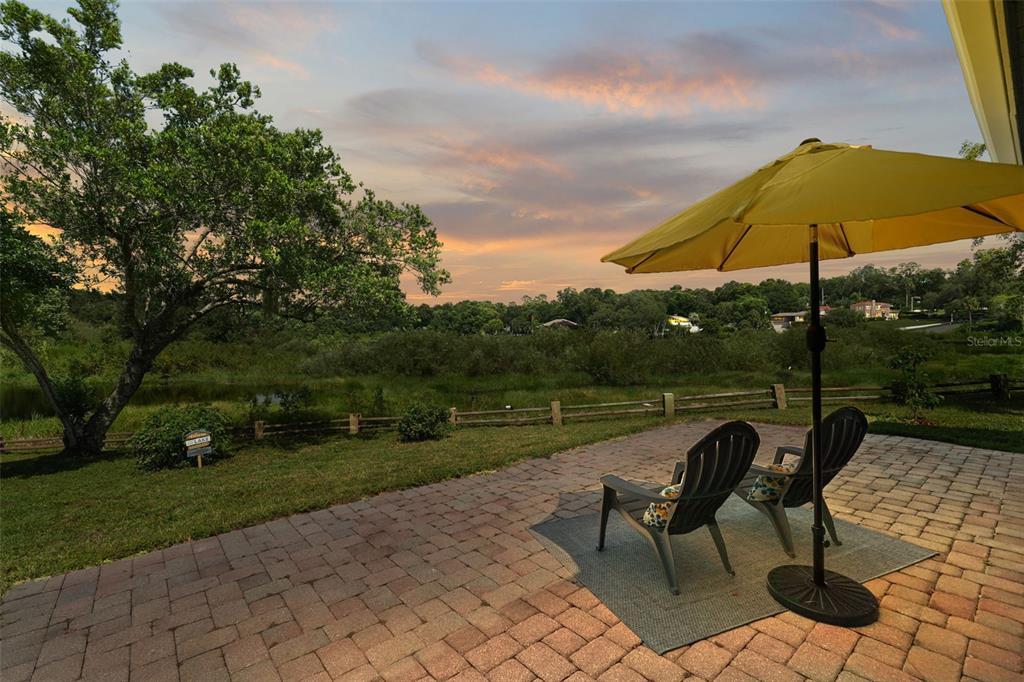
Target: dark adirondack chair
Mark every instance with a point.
(711, 472)
(842, 433)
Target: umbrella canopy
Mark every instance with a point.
(862, 199)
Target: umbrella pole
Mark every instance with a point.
(812, 591)
(816, 344)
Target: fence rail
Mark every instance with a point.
(776, 396)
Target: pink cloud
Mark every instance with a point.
(282, 64)
(297, 22)
(494, 155)
(517, 285)
(883, 17)
(616, 82)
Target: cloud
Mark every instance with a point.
(300, 22)
(699, 71)
(614, 81)
(517, 285)
(268, 34)
(886, 18)
(493, 155)
(281, 64)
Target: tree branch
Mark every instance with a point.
(16, 343)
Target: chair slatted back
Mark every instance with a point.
(714, 467)
(842, 432)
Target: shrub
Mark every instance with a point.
(294, 401)
(844, 317)
(911, 386)
(614, 358)
(159, 443)
(423, 422)
(379, 406)
(73, 394)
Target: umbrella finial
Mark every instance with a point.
(809, 140)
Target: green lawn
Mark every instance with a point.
(57, 515)
(978, 422)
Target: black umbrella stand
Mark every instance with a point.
(813, 591)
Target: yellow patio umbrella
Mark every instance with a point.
(824, 201)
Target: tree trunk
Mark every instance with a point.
(94, 432)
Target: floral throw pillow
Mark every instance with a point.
(768, 488)
(657, 512)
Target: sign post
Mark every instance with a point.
(197, 444)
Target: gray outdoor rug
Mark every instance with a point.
(628, 578)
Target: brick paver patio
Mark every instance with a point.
(445, 582)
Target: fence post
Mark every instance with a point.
(453, 415)
(353, 423)
(779, 396)
(668, 404)
(1000, 386)
(556, 412)
(257, 430)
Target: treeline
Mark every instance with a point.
(992, 280)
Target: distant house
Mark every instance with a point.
(875, 310)
(681, 323)
(783, 321)
(560, 323)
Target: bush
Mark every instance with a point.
(844, 317)
(423, 422)
(379, 406)
(77, 399)
(160, 444)
(616, 359)
(911, 386)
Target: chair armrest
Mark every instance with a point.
(677, 475)
(633, 490)
(780, 454)
(758, 469)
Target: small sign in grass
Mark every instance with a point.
(197, 444)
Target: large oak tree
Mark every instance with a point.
(182, 200)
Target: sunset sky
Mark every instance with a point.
(540, 136)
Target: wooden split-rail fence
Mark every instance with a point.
(776, 396)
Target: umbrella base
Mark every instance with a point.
(840, 601)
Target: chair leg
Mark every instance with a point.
(663, 545)
(830, 525)
(777, 514)
(606, 507)
(716, 535)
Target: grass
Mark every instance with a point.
(57, 515)
(334, 398)
(973, 421)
